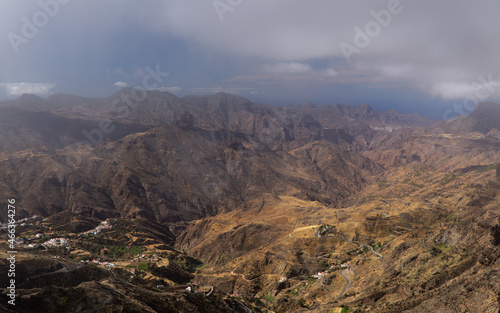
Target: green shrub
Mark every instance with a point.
(63, 301)
(345, 309)
(269, 298)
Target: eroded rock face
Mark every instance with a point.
(171, 174)
(495, 232)
(243, 188)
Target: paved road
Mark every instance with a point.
(210, 292)
(377, 255)
(342, 272)
(243, 276)
(247, 310)
(65, 269)
(346, 285)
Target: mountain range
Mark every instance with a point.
(397, 212)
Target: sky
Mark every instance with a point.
(436, 58)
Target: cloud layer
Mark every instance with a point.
(17, 89)
(440, 49)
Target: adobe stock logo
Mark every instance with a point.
(223, 6)
(48, 9)
(373, 28)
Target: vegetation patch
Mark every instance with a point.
(382, 184)
(325, 229)
(477, 168)
(448, 179)
(444, 248)
(268, 298)
(116, 252)
(143, 267)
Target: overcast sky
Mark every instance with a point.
(415, 56)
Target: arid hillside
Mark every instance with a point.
(226, 205)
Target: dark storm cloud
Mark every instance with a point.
(446, 50)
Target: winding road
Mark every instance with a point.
(243, 276)
(346, 285)
(210, 291)
(342, 272)
(247, 310)
(65, 268)
(376, 254)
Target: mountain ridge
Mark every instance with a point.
(298, 208)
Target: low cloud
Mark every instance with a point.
(288, 68)
(453, 90)
(121, 84)
(17, 89)
(290, 73)
(170, 89)
(212, 90)
(481, 90)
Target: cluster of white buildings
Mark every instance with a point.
(107, 265)
(26, 219)
(20, 242)
(30, 246)
(320, 275)
(56, 242)
(104, 225)
(146, 257)
(23, 222)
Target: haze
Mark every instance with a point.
(426, 57)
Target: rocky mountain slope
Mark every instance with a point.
(396, 213)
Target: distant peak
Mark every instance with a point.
(226, 95)
(307, 105)
(486, 110)
(486, 116)
(141, 92)
(29, 96)
(366, 107)
(487, 106)
(220, 96)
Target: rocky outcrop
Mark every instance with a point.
(184, 172)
